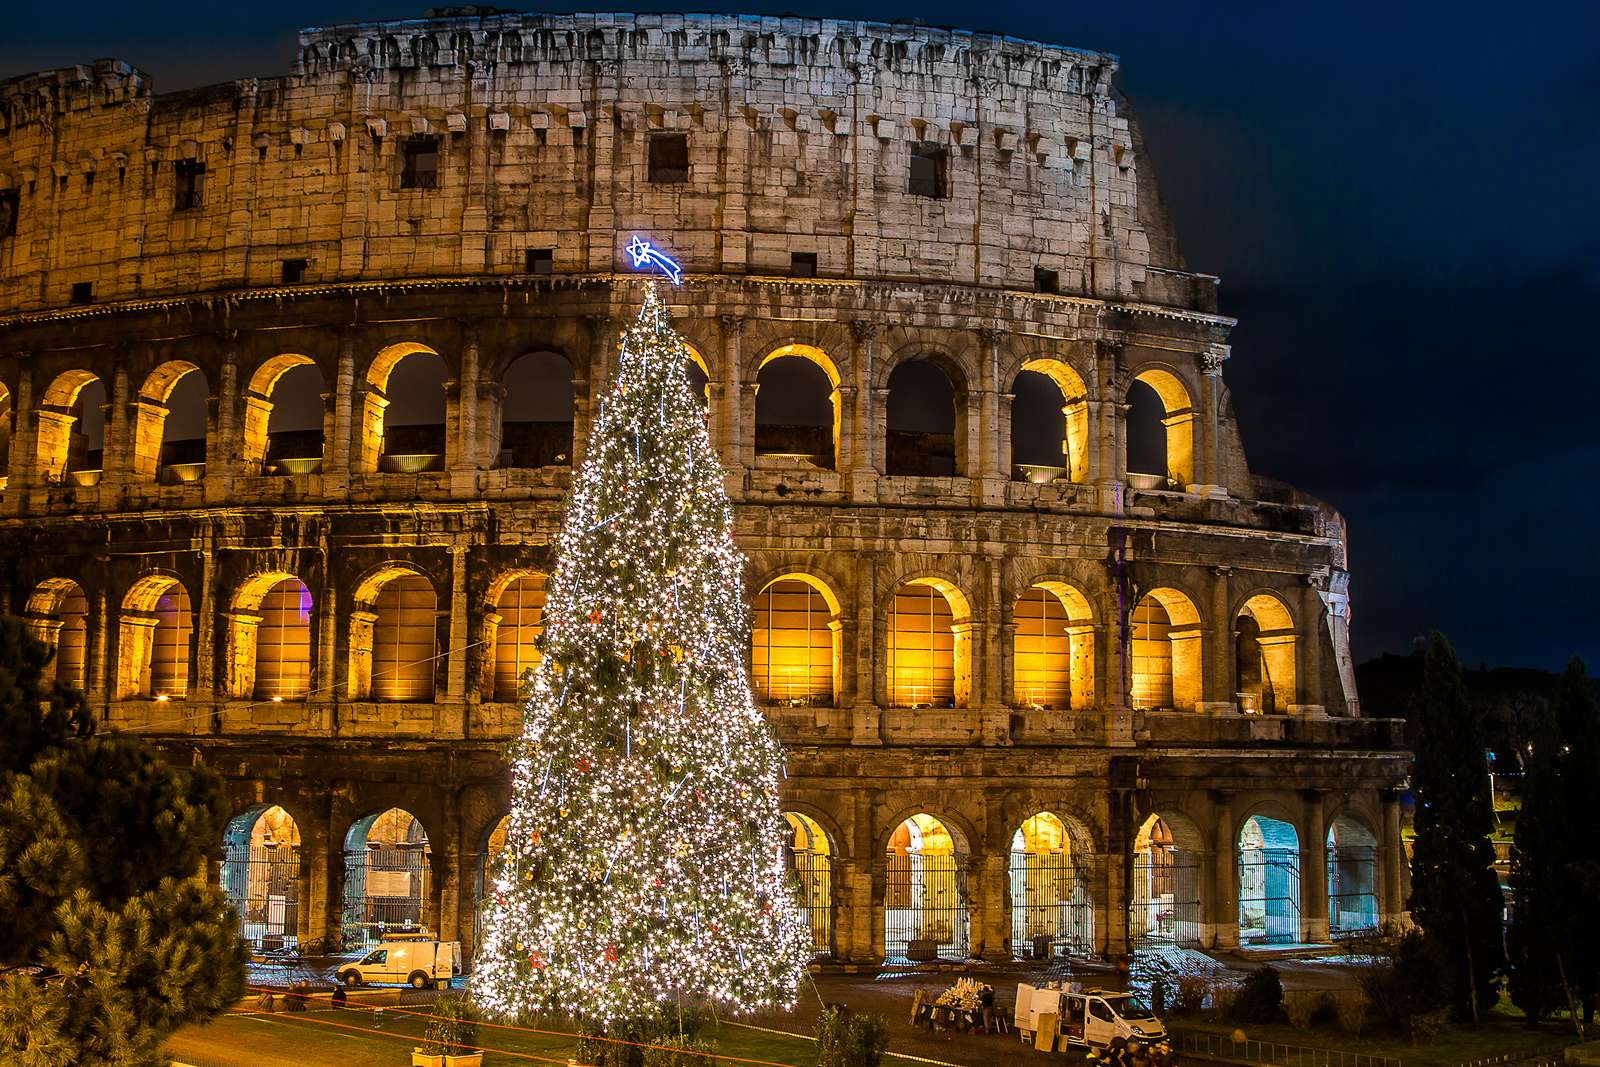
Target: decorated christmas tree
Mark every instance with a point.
(644, 858)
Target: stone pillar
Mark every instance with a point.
(205, 621)
(24, 447)
(1006, 689)
(870, 688)
(988, 881)
(239, 653)
(1314, 869)
(1219, 666)
(843, 630)
(325, 675)
(449, 862)
(463, 448)
(1393, 903)
(116, 457)
(1111, 665)
(1308, 672)
(97, 669)
(339, 431)
(358, 668)
(864, 433)
(983, 458)
(1209, 474)
(734, 418)
(1108, 449)
(859, 931)
(1224, 895)
(582, 403)
(223, 434)
(320, 878)
(455, 686)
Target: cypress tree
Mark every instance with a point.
(1541, 927)
(1455, 895)
(111, 939)
(1577, 722)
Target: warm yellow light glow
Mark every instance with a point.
(792, 639)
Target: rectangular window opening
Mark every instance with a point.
(188, 184)
(928, 166)
(669, 157)
(538, 260)
(419, 167)
(803, 265)
(294, 271)
(82, 293)
(10, 208)
(1046, 281)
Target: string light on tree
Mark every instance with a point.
(644, 860)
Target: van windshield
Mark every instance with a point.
(1130, 1007)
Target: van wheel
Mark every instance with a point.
(352, 979)
(419, 980)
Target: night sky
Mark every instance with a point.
(1401, 202)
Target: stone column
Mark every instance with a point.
(97, 669)
(463, 449)
(1108, 449)
(1208, 471)
(865, 431)
(734, 418)
(1224, 896)
(116, 456)
(1392, 862)
(1219, 666)
(870, 690)
(339, 422)
(1314, 868)
(863, 887)
(449, 861)
(24, 447)
(983, 459)
(223, 434)
(206, 620)
(1006, 690)
(321, 876)
(455, 686)
(1111, 666)
(1308, 672)
(988, 880)
(325, 675)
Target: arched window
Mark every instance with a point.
(811, 860)
(1051, 914)
(169, 428)
(403, 415)
(1165, 652)
(283, 417)
(536, 414)
(261, 876)
(698, 373)
(156, 634)
(387, 878)
(270, 639)
(797, 407)
(518, 621)
(925, 892)
(929, 660)
(1352, 877)
(1269, 881)
(6, 432)
(491, 844)
(58, 615)
(923, 435)
(1053, 655)
(70, 422)
(1160, 430)
(1164, 901)
(794, 643)
(1049, 423)
(403, 639)
(1264, 654)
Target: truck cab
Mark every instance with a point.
(415, 961)
(1058, 1019)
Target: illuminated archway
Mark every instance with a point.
(70, 428)
(1264, 655)
(58, 615)
(1165, 652)
(1052, 402)
(1176, 425)
(169, 424)
(1352, 877)
(512, 628)
(794, 643)
(490, 845)
(261, 876)
(1164, 898)
(1051, 913)
(797, 405)
(1052, 656)
(155, 631)
(6, 432)
(811, 861)
(925, 892)
(402, 425)
(393, 636)
(1269, 881)
(269, 639)
(388, 878)
(930, 646)
(283, 417)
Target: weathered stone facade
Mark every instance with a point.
(131, 270)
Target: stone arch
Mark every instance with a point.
(70, 436)
(796, 652)
(535, 423)
(155, 638)
(381, 447)
(1164, 895)
(388, 877)
(919, 439)
(58, 615)
(260, 875)
(798, 393)
(270, 446)
(269, 639)
(168, 391)
(511, 629)
(810, 861)
(393, 635)
(1165, 651)
(1052, 655)
(1264, 654)
(1268, 848)
(1052, 380)
(1352, 875)
(1177, 422)
(698, 373)
(929, 644)
(1052, 912)
(925, 910)
(6, 433)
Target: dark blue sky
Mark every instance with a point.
(1401, 201)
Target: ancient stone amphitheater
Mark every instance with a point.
(294, 371)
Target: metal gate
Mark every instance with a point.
(1050, 910)
(386, 890)
(813, 873)
(263, 885)
(1269, 895)
(925, 908)
(1352, 889)
(1164, 899)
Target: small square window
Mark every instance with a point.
(669, 157)
(82, 293)
(10, 208)
(538, 260)
(928, 165)
(419, 167)
(294, 271)
(188, 184)
(802, 265)
(1046, 281)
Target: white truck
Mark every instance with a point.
(1058, 1019)
(418, 961)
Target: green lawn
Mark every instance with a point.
(360, 1038)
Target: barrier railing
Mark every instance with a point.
(1277, 1053)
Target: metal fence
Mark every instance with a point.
(386, 890)
(813, 873)
(1051, 913)
(1276, 1053)
(263, 885)
(925, 908)
(1269, 895)
(1352, 889)
(1165, 902)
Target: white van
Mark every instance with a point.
(417, 961)
(1093, 1018)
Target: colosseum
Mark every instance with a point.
(294, 372)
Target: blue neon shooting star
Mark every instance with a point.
(644, 254)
